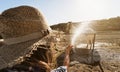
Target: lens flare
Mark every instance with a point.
(80, 30)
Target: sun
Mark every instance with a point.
(91, 9)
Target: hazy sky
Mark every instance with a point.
(58, 11)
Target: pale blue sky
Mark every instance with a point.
(58, 11)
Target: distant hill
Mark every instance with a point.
(65, 27)
(111, 24)
(106, 24)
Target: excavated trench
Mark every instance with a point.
(105, 59)
(30, 64)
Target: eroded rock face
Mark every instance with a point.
(22, 20)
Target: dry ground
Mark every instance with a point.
(106, 56)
